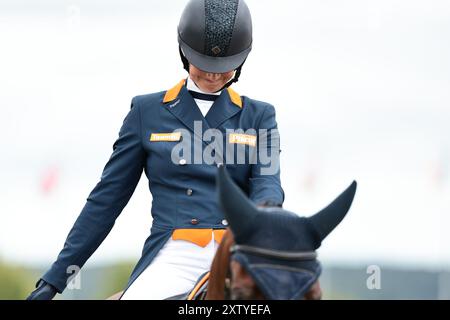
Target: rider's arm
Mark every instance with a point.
(265, 186)
(118, 181)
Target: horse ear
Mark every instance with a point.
(328, 218)
(238, 209)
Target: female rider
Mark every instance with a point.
(215, 38)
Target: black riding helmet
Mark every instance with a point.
(215, 35)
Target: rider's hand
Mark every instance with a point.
(44, 291)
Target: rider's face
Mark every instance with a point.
(207, 81)
(242, 285)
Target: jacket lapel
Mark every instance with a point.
(226, 106)
(180, 103)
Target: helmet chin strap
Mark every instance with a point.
(235, 78)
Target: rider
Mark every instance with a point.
(215, 38)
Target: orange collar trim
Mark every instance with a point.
(235, 97)
(173, 93)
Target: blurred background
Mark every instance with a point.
(361, 90)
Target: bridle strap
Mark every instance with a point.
(288, 255)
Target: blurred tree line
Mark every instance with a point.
(16, 281)
(337, 282)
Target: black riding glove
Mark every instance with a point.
(44, 291)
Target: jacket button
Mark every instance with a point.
(194, 221)
(189, 192)
(224, 222)
(182, 162)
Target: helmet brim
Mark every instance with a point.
(213, 64)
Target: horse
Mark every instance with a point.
(225, 274)
(268, 253)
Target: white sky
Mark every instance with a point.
(361, 90)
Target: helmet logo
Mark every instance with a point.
(216, 50)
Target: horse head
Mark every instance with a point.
(270, 252)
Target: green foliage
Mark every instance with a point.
(114, 279)
(15, 282)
